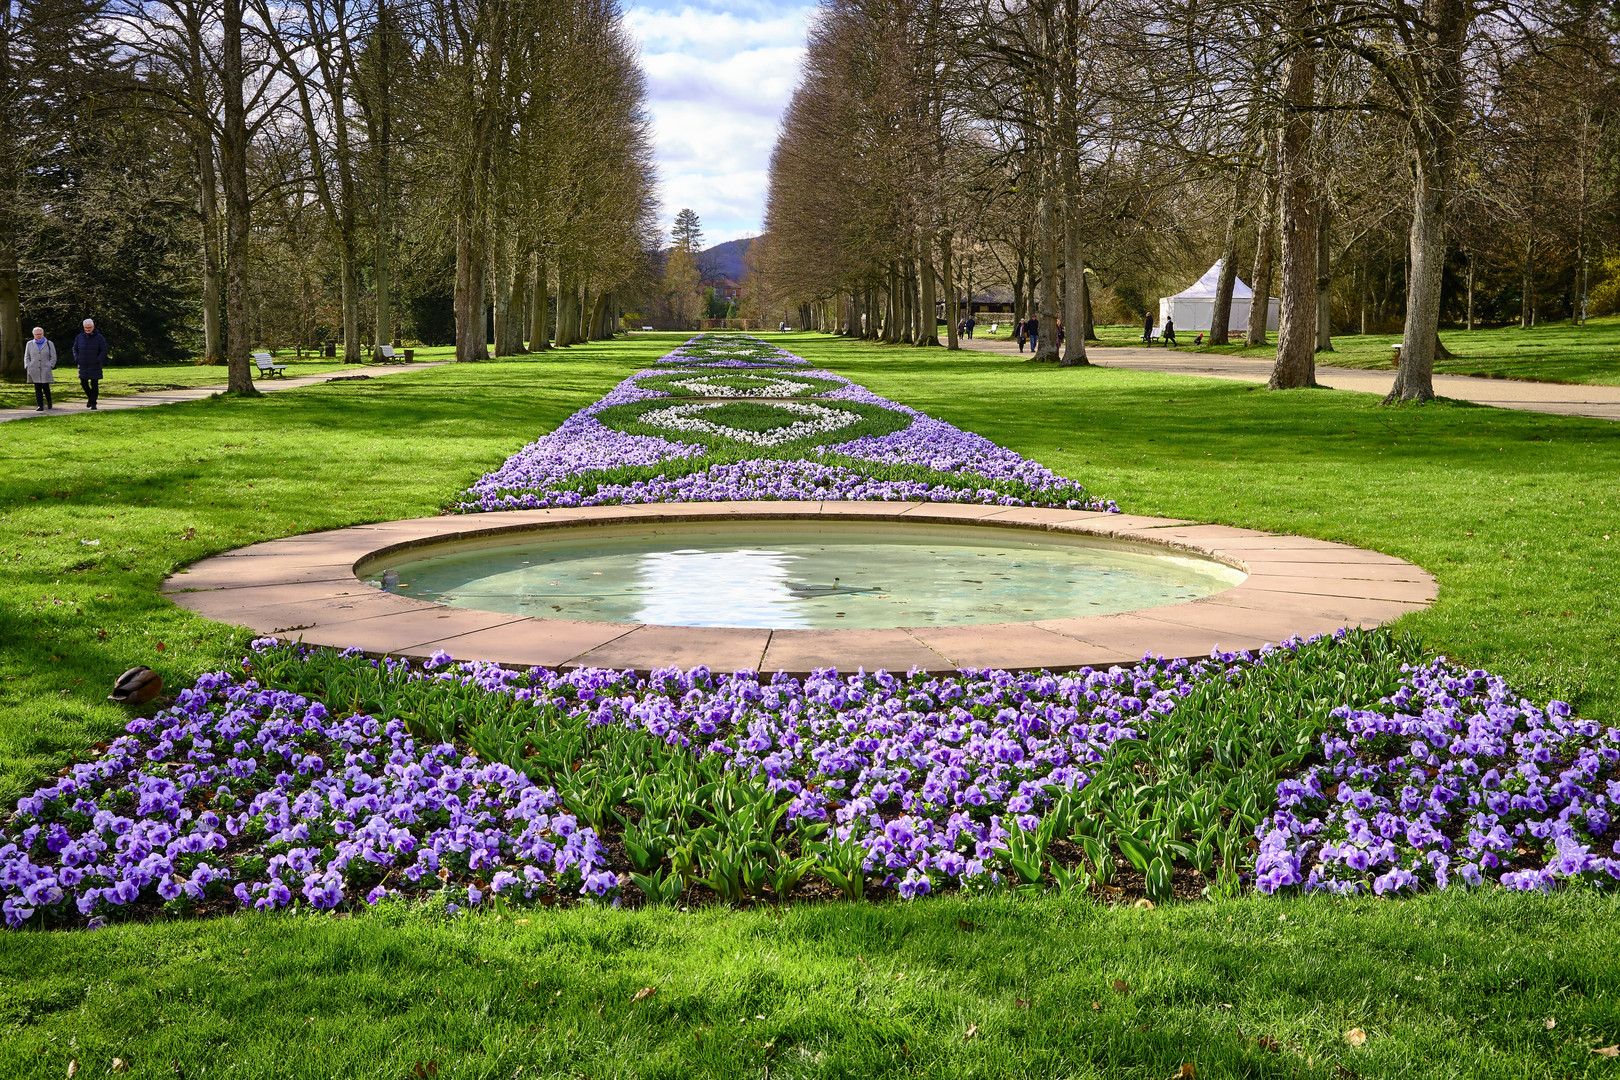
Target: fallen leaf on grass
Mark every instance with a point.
(1121, 986)
(1186, 1072)
(425, 1069)
(120, 1065)
(965, 926)
(1607, 1051)
(1144, 903)
(1355, 1036)
(1096, 1006)
(73, 1068)
(1549, 1023)
(973, 1029)
(1021, 1003)
(644, 993)
(1266, 1042)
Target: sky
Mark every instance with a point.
(718, 77)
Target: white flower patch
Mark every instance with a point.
(767, 387)
(818, 420)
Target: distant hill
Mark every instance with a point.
(725, 260)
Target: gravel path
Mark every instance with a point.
(1602, 402)
(196, 393)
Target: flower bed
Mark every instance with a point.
(611, 452)
(1148, 780)
(244, 794)
(1453, 779)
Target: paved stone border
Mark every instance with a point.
(306, 588)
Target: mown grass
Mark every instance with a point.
(1514, 512)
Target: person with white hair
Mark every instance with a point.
(90, 353)
(39, 361)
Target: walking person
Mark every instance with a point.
(1020, 334)
(1147, 328)
(90, 353)
(38, 362)
(1169, 332)
(1033, 329)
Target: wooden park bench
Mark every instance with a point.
(268, 365)
(403, 356)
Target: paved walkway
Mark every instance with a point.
(1602, 402)
(196, 393)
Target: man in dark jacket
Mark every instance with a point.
(90, 353)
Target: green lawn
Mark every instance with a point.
(1447, 986)
(1516, 513)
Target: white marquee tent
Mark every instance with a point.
(1194, 308)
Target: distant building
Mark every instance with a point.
(995, 300)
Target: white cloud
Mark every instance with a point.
(717, 82)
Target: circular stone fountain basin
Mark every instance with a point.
(305, 588)
(802, 575)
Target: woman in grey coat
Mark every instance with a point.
(38, 362)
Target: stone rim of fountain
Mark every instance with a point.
(307, 588)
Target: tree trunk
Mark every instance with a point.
(471, 343)
(891, 306)
(1085, 296)
(1020, 306)
(539, 334)
(565, 300)
(208, 216)
(1361, 298)
(1324, 280)
(1414, 377)
(238, 207)
(502, 279)
(927, 317)
(1470, 323)
(1527, 314)
(1260, 305)
(1047, 315)
(1220, 324)
(1434, 154)
(1074, 299)
(11, 333)
(382, 276)
(349, 276)
(908, 308)
(383, 269)
(1296, 338)
(520, 292)
(947, 282)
